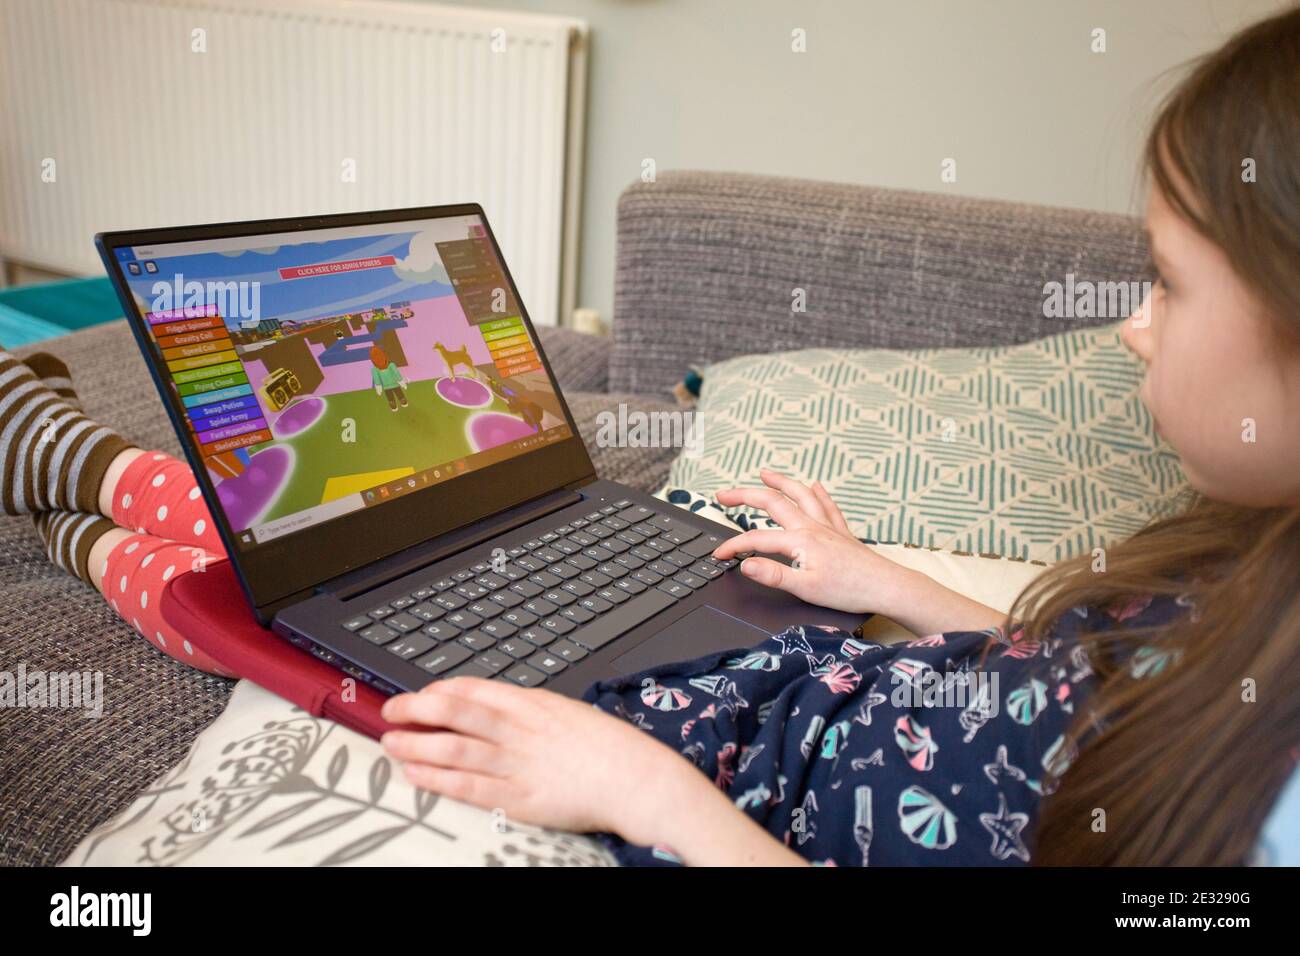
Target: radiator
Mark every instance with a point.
(139, 113)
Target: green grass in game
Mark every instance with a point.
(426, 433)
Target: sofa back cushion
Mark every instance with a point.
(709, 266)
(1038, 451)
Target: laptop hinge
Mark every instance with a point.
(386, 570)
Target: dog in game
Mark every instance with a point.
(453, 358)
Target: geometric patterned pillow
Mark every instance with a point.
(1040, 450)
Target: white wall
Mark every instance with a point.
(886, 90)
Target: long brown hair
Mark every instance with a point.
(1182, 766)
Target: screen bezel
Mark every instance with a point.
(297, 562)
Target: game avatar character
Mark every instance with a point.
(387, 378)
(453, 358)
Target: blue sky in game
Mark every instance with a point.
(312, 297)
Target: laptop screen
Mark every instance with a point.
(328, 371)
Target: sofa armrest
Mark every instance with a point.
(708, 265)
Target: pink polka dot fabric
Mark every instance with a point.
(158, 495)
(175, 535)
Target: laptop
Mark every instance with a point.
(396, 476)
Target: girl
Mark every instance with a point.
(1146, 714)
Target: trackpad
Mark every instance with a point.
(703, 631)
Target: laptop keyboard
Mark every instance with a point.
(553, 599)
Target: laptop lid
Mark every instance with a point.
(345, 386)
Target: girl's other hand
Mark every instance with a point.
(831, 567)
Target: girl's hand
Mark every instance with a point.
(831, 567)
(539, 757)
(834, 569)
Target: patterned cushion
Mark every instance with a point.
(1037, 451)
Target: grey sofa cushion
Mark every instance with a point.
(61, 774)
(707, 264)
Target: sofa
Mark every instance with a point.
(706, 267)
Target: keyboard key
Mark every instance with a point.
(401, 603)
(465, 620)
(493, 582)
(629, 537)
(522, 618)
(662, 567)
(524, 676)
(549, 537)
(704, 544)
(530, 563)
(464, 575)
(578, 523)
(441, 631)
(477, 640)
(624, 503)
(545, 579)
(537, 636)
(379, 613)
(498, 629)
(541, 607)
(564, 571)
(612, 569)
(608, 510)
(357, 623)
(615, 524)
(580, 588)
(471, 591)
(595, 605)
(494, 661)
(645, 530)
(692, 581)
(443, 584)
(675, 589)
(533, 545)
(600, 531)
(547, 663)
(412, 645)
(444, 658)
(527, 589)
(560, 597)
(471, 669)
(680, 534)
(594, 516)
(404, 622)
(631, 585)
(565, 546)
(568, 651)
(646, 576)
(549, 555)
(597, 554)
(558, 624)
(630, 561)
(706, 569)
(450, 600)
(508, 599)
(612, 595)
(516, 552)
(481, 566)
(622, 619)
(516, 648)
(424, 593)
(594, 578)
(583, 539)
(378, 634)
(485, 609)
(578, 614)
(659, 545)
(635, 513)
(581, 561)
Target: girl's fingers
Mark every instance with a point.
(833, 513)
(447, 712)
(482, 791)
(797, 492)
(784, 511)
(765, 571)
(766, 541)
(450, 750)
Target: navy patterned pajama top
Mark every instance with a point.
(853, 753)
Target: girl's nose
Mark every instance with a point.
(1135, 333)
